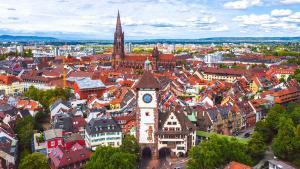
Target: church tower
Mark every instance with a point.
(118, 48)
(155, 55)
(147, 112)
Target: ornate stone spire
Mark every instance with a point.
(118, 50)
(118, 24)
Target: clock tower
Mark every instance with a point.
(147, 112)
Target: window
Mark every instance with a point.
(147, 114)
(174, 123)
(52, 143)
(169, 123)
(180, 148)
(59, 142)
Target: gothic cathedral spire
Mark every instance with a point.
(118, 49)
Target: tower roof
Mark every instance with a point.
(119, 25)
(148, 81)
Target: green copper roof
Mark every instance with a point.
(192, 117)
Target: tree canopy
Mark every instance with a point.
(281, 129)
(217, 152)
(47, 97)
(34, 161)
(130, 145)
(107, 157)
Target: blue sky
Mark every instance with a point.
(146, 19)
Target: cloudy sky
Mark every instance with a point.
(145, 19)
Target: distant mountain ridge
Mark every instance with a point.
(26, 38)
(11, 38)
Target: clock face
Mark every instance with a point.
(147, 98)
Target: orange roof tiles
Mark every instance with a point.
(8, 79)
(28, 104)
(286, 91)
(236, 165)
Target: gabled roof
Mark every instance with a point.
(148, 81)
(185, 124)
(62, 157)
(57, 102)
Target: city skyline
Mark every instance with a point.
(151, 19)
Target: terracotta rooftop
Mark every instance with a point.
(236, 165)
(227, 71)
(286, 91)
(148, 81)
(8, 79)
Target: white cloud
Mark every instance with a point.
(270, 23)
(281, 12)
(242, 4)
(289, 2)
(294, 18)
(254, 19)
(220, 28)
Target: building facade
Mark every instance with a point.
(102, 131)
(160, 131)
(11, 85)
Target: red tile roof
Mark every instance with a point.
(61, 157)
(148, 81)
(236, 165)
(238, 72)
(8, 79)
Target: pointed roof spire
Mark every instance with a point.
(118, 25)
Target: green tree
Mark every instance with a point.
(24, 129)
(217, 152)
(262, 128)
(296, 74)
(295, 115)
(283, 145)
(47, 97)
(273, 117)
(130, 145)
(256, 146)
(34, 161)
(107, 157)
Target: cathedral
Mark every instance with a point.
(120, 59)
(118, 49)
(159, 131)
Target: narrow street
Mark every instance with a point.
(268, 156)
